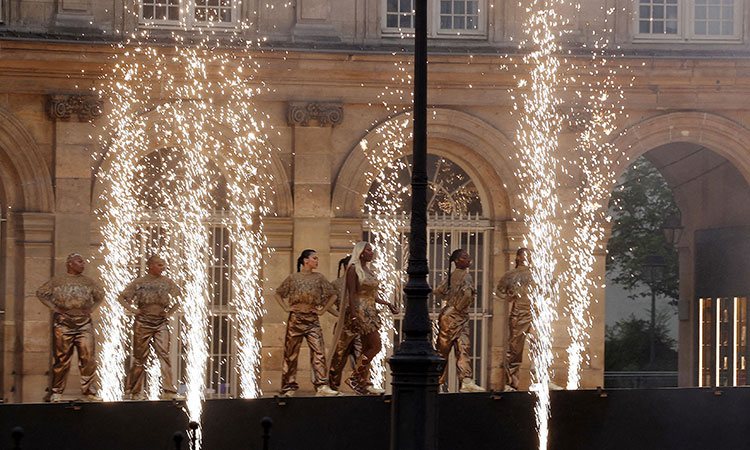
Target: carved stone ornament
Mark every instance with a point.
(324, 114)
(62, 107)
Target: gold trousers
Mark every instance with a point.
(303, 325)
(454, 333)
(73, 332)
(519, 325)
(150, 330)
(348, 345)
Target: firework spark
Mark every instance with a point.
(537, 140)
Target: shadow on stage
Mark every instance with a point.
(700, 418)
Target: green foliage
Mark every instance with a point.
(639, 204)
(628, 346)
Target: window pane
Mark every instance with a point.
(714, 12)
(471, 23)
(391, 21)
(174, 13)
(671, 12)
(700, 13)
(671, 27)
(445, 22)
(472, 7)
(727, 13)
(446, 7)
(714, 28)
(700, 28)
(459, 7)
(406, 6)
(644, 12)
(405, 21)
(161, 12)
(148, 12)
(458, 23)
(644, 26)
(727, 28)
(226, 15)
(392, 6)
(658, 27)
(658, 12)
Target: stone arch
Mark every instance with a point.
(479, 148)
(26, 181)
(719, 134)
(282, 201)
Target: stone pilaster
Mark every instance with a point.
(72, 173)
(313, 22)
(30, 319)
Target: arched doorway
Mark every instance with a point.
(703, 158)
(455, 220)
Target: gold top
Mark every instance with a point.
(368, 289)
(151, 290)
(461, 294)
(71, 292)
(306, 289)
(516, 284)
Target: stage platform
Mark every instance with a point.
(658, 419)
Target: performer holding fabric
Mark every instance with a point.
(351, 342)
(72, 297)
(360, 318)
(457, 294)
(152, 298)
(309, 295)
(515, 287)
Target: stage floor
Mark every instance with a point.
(659, 419)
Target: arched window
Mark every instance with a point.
(454, 221)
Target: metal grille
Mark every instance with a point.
(221, 376)
(447, 233)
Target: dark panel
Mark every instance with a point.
(663, 419)
(722, 262)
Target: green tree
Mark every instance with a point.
(627, 343)
(639, 204)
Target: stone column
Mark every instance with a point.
(72, 174)
(312, 125)
(30, 319)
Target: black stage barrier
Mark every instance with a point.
(658, 419)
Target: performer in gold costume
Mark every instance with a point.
(152, 298)
(515, 287)
(360, 318)
(309, 295)
(351, 347)
(72, 297)
(457, 294)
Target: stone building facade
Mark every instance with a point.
(686, 112)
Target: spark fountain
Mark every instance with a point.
(537, 140)
(600, 107)
(198, 100)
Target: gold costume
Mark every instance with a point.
(453, 321)
(306, 292)
(148, 294)
(515, 285)
(72, 297)
(367, 322)
(348, 345)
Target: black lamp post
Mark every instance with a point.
(416, 366)
(654, 266)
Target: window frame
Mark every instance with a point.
(433, 23)
(686, 26)
(189, 22)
